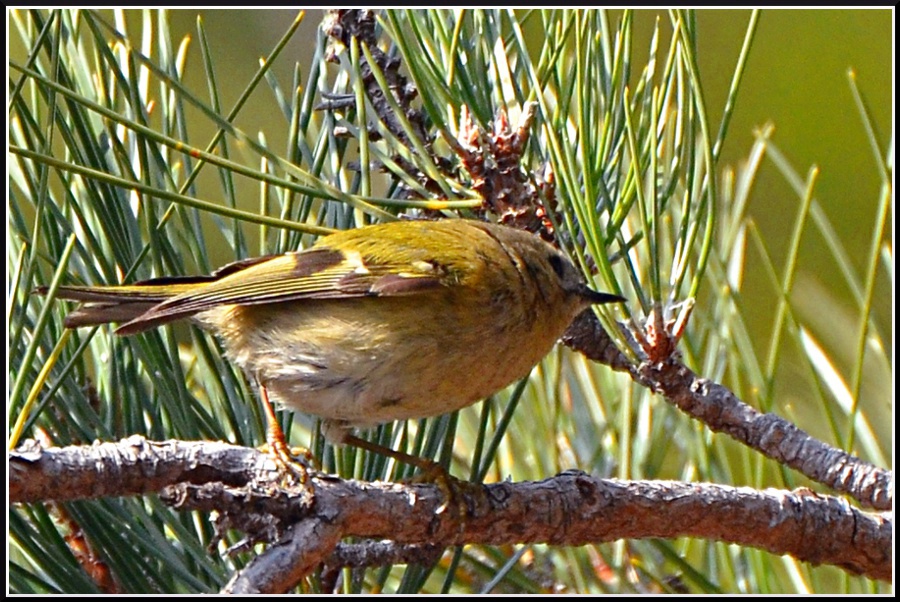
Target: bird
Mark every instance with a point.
(390, 321)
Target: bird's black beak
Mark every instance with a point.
(596, 298)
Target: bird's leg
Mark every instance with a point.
(424, 464)
(432, 472)
(294, 461)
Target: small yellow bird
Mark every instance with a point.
(386, 322)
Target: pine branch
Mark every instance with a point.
(572, 508)
(720, 409)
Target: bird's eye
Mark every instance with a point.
(556, 262)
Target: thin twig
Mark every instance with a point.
(721, 410)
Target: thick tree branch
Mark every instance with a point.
(131, 466)
(283, 565)
(570, 509)
(721, 410)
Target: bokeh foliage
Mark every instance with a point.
(102, 190)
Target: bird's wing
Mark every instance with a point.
(317, 273)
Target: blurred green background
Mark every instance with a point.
(796, 79)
